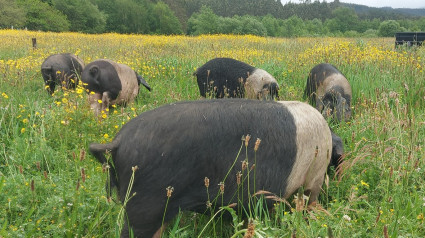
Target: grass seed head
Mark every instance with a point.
(83, 175)
(250, 230)
(244, 165)
(169, 191)
(238, 177)
(247, 138)
(221, 184)
(207, 182)
(82, 155)
(257, 144)
(32, 186)
(386, 231)
(105, 167)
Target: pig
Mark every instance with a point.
(110, 83)
(226, 77)
(329, 91)
(61, 69)
(180, 144)
(337, 150)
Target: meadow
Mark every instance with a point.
(50, 186)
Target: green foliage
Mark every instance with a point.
(389, 28)
(82, 14)
(195, 17)
(421, 24)
(342, 22)
(139, 16)
(126, 16)
(11, 15)
(204, 22)
(230, 8)
(344, 19)
(370, 33)
(272, 25)
(42, 16)
(165, 21)
(293, 26)
(315, 27)
(228, 25)
(250, 25)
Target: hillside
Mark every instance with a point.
(385, 13)
(258, 17)
(411, 11)
(306, 11)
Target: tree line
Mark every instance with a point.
(90, 16)
(194, 17)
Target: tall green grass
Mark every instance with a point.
(51, 187)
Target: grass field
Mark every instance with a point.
(50, 186)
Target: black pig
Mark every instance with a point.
(62, 69)
(111, 83)
(180, 144)
(225, 77)
(329, 91)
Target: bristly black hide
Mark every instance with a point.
(333, 93)
(223, 73)
(180, 144)
(106, 79)
(61, 67)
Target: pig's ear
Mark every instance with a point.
(94, 71)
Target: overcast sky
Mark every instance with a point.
(378, 3)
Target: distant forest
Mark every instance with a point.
(194, 17)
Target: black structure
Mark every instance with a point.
(409, 38)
